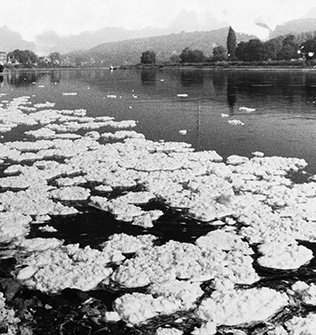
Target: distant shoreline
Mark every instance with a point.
(194, 66)
(226, 66)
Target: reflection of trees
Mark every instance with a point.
(309, 85)
(148, 77)
(23, 78)
(192, 78)
(256, 84)
(219, 81)
(272, 88)
(231, 90)
(55, 77)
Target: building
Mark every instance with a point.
(3, 57)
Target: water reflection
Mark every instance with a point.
(219, 79)
(231, 91)
(192, 78)
(285, 91)
(283, 121)
(148, 77)
(23, 78)
(55, 77)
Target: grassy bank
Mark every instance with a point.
(233, 65)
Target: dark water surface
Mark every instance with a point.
(283, 123)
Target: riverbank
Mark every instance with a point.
(298, 65)
(234, 65)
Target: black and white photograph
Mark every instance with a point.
(157, 167)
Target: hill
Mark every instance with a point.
(49, 41)
(129, 51)
(295, 27)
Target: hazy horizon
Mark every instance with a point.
(31, 18)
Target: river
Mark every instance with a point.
(279, 118)
(150, 213)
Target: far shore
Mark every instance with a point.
(220, 66)
(226, 66)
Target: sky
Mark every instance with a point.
(33, 17)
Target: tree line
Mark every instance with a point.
(282, 48)
(28, 58)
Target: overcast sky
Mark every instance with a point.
(32, 17)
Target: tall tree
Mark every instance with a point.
(231, 44)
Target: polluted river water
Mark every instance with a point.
(108, 229)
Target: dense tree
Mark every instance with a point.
(231, 44)
(289, 48)
(250, 51)
(24, 57)
(219, 54)
(55, 58)
(308, 48)
(272, 48)
(174, 58)
(191, 56)
(148, 57)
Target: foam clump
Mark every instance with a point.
(168, 331)
(185, 291)
(127, 243)
(301, 325)
(307, 292)
(70, 181)
(236, 160)
(53, 270)
(285, 256)
(222, 240)
(123, 208)
(39, 244)
(235, 307)
(46, 104)
(166, 298)
(175, 260)
(8, 320)
(208, 328)
(103, 188)
(70, 193)
(34, 202)
(123, 124)
(13, 225)
(119, 135)
(137, 308)
(236, 122)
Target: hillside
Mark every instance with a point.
(49, 41)
(295, 27)
(129, 51)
